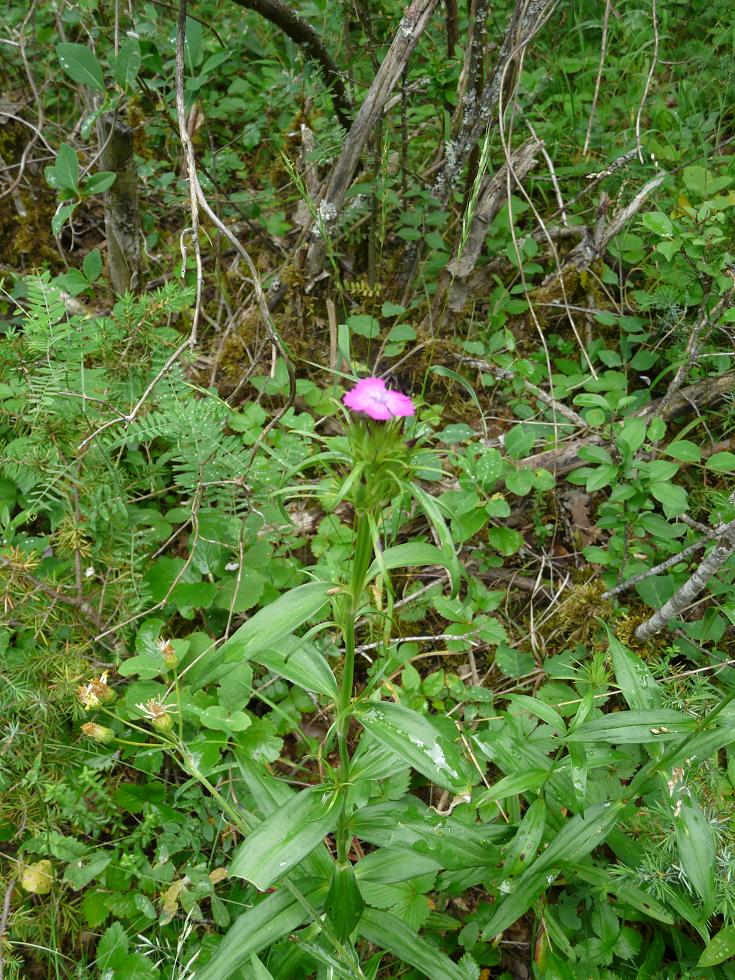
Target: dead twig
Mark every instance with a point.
(303, 34)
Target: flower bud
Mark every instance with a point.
(98, 733)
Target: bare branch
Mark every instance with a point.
(303, 33)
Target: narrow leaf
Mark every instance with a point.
(276, 916)
(416, 739)
(285, 837)
(301, 663)
(388, 932)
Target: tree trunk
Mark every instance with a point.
(122, 224)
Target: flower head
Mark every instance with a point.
(370, 397)
(158, 714)
(96, 693)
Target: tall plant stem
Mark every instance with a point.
(360, 565)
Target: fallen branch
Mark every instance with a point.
(564, 459)
(303, 34)
(714, 532)
(685, 595)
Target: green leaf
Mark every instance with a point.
(517, 782)
(261, 632)
(632, 434)
(364, 325)
(696, 844)
(221, 720)
(721, 463)
(127, 64)
(434, 515)
(80, 65)
(260, 972)
(635, 680)
(392, 309)
(624, 727)
(673, 498)
(684, 451)
(506, 540)
(540, 709)
(60, 218)
(112, 947)
(415, 738)
(301, 663)
(519, 441)
(579, 836)
(285, 837)
(79, 873)
(601, 476)
(276, 916)
(99, 183)
(445, 372)
(527, 890)
(519, 481)
(525, 844)
(344, 903)
(658, 223)
(720, 948)
(388, 932)
(410, 555)
(67, 168)
(512, 662)
(92, 265)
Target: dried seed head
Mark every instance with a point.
(158, 714)
(96, 692)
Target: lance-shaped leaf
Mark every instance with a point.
(621, 727)
(419, 741)
(300, 662)
(696, 844)
(286, 837)
(575, 840)
(261, 632)
(414, 554)
(276, 916)
(388, 932)
(80, 64)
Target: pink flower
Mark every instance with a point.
(372, 398)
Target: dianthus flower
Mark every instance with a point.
(371, 397)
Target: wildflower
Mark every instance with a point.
(98, 733)
(167, 652)
(158, 714)
(370, 397)
(97, 692)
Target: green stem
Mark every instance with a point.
(360, 565)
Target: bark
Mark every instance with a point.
(303, 34)
(410, 29)
(122, 225)
(527, 19)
